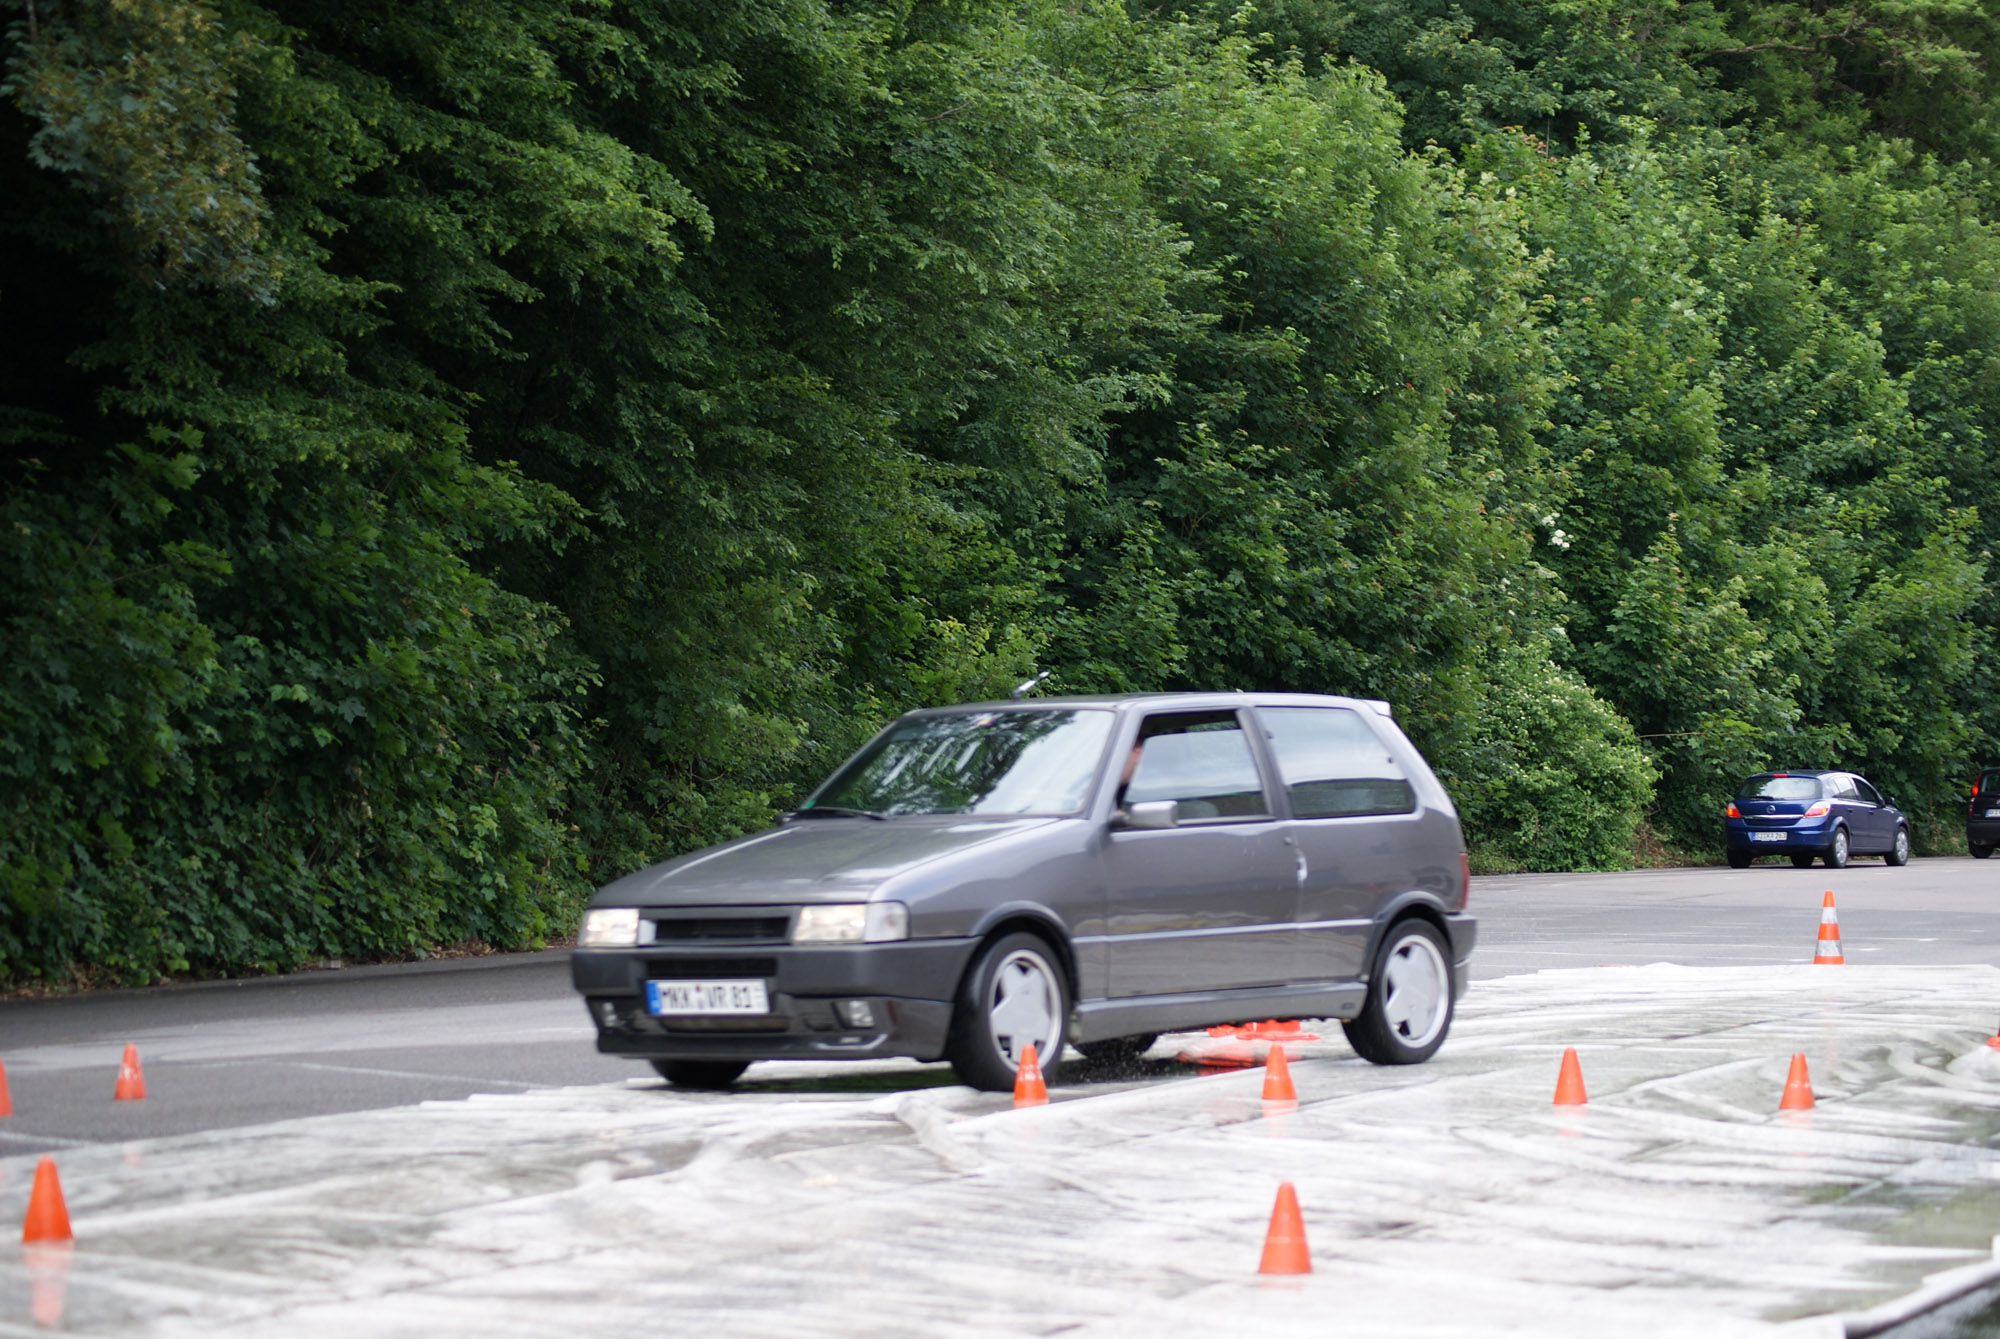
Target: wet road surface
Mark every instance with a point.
(231, 1054)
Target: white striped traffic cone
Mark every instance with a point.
(1827, 949)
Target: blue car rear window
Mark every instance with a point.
(1780, 788)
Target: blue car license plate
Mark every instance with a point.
(706, 997)
(1767, 836)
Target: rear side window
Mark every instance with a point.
(1780, 787)
(1201, 759)
(1989, 782)
(1333, 765)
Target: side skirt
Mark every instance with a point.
(1100, 1020)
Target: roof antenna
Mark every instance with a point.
(1023, 689)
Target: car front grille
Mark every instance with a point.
(721, 929)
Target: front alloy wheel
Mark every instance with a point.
(1836, 851)
(1014, 994)
(1409, 1004)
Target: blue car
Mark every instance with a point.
(1813, 815)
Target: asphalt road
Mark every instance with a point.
(235, 1054)
(1944, 910)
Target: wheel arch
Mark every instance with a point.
(1410, 906)
(1038, 920)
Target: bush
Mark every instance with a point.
(1545, 774)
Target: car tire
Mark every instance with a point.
(1979, 852)
(1408, 1008)
(709, 1074)
(1802, 859)
(1837, 850)
(1739, 860)
(1899, 851)
(1014, 993)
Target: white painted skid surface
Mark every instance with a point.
(1445, 1199)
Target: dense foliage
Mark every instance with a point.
(453, 453)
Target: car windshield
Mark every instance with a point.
(974, 762)
(1780, 787)
(1989, 783)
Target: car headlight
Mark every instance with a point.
(852, 923)
(609, 927)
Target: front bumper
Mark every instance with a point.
(908, 986)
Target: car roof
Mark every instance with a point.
(1193, 701)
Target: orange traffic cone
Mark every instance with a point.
(1827, 949)
(1569, 1081)
(48, 1217)
(1993, 1041)
(131, 1079)
(1029, 1090)
(6, 1102)
(1798, 1087)
(1278, 1091)
(1285, 1240)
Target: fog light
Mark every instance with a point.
(856, 1013)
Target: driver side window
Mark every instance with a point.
(1202, 760)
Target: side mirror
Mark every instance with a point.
(1151, 815)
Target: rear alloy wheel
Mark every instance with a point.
(1979, 852)
(1802, 860)
(1408, 1009)
(1836, 850)
(1739, 860)
(1899, 854)
(1014, 993)
(701, 1073)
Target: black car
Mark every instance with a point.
(1982, 814)
(1072, 871)
(1828, 815)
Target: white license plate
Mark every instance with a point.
(1767, 836)
(706, 997)
(1993, 813)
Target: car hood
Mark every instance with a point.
(812, 860)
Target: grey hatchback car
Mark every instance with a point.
(1091, 871)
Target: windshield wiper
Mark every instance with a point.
(840, 811)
